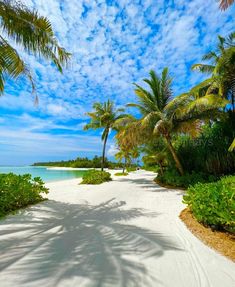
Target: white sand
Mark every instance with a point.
(123, 233)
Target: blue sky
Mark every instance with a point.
(114, 43)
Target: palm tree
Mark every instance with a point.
(163, 115)
(105, 116)
(33, 33)
(222, 71)
(224, 4)
(221, 68)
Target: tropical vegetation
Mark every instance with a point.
(18, 191)
(105, 116)
(163, 117)
(31, 32)
(85, 162)
(96, 177)
(213, 204)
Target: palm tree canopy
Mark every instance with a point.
(106, 116)
(163, 114)
(221, 68)
(31, 31)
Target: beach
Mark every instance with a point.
(121, 233)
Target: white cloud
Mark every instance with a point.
(113, 45)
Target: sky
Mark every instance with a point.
(113, 45)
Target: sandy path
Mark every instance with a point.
(123, 233)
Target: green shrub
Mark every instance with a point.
(172, 177)
(130, 169)
(121, 174)
(17, 191)
(213, 204)
(95, 177)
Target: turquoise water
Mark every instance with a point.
(47, 175)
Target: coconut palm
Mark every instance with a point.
(105, 116)
(30, 31)
(163, 115)
(221, 68)
(123, 154)
(224, 4)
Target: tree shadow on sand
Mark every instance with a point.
(53, 242)
(149, 185)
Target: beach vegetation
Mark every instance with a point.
(18, 191)
(164, 116)
(105, 116)
(213, 204)
(96, 177)
(121, 174)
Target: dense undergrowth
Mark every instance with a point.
(213, 204)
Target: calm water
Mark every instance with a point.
(46, 174)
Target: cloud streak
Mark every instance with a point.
(114, 43)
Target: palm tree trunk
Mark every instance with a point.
(175, 157)
(124, 166)
(103, 154)
(233, 94)
(161, 168)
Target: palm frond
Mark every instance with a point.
(224, 4)
(203, 68)
(232, 147)
(32, 31)
(11, 64)
(200, 107)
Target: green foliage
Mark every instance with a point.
(153, 168)
(96, 177)
(17, 191)
(130, 168)
(173, 178)
(213, 204)
(82, 162)
(33, 33)
(209, 153)
(121, 174)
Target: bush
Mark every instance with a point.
(213, 204)
(173, 178)
(95, 177)
(130, 169)
(17, 191)
(121, 174)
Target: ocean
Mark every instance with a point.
(46, 175)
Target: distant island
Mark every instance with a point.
(83, 162)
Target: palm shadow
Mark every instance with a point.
(149, 185)
(55, 242)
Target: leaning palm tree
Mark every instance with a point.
(163, 115)
(33, 33)
(224, 4)
(105, 116)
